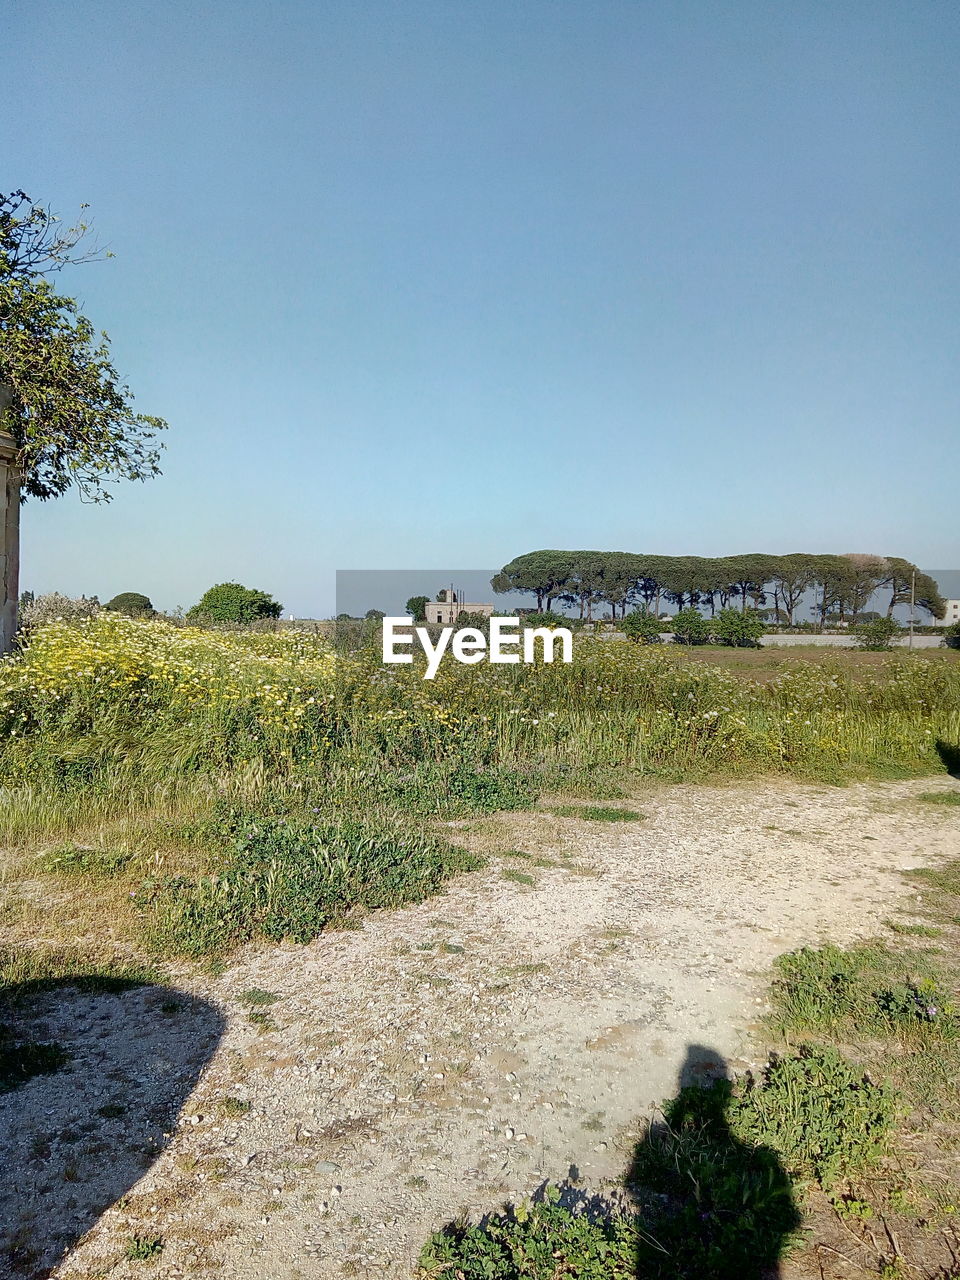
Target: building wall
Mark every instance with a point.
(439, 613)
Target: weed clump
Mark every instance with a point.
(287, 879)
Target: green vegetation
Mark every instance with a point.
(231, 602)
(287, 879)
(641, 626)
(690, 627)
(737, 628)
(941, 797)
(130, 602)
(878, 633)
(214, 787)
(71, 415)
(718, 1183)
(416, 606)
(143, 1249)
(618, 579)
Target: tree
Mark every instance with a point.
(540, 573)
(748, 575)
(742, 630)
(792, 578)
(416, 606)
(867, 572)
(230, 602)
(374, 615)
(71, 416)
(641, 626)
(905, 579)
(130, 602)
(877, 634)
(690, 627)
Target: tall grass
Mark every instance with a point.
(133, 734)
(117, 709)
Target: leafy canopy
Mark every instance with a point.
(130, 602)
(231, 602)
(71, 415)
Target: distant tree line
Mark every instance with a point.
(843, 584)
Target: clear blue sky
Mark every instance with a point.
(435, 283)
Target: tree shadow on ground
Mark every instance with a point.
(93, 1073)
(949, 753)
(710, 1204)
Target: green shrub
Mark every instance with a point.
(951, 636)
(231, 602)
(722, 1204)
(867, 988)
(739, 628)
(540, 1240)
(713, 1183)
(143, 1248)
(130, 602)
(878, 634)
(641, 626)
(822, 1115)
(690, 627)
(547, 619)
(288, 879)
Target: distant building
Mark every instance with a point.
(440, 613)
(953, 613)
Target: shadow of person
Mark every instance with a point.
(92, 1076)
(949, 753)
(710, 1204)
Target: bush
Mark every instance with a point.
(740, 628)
(951, 636)
(541, 1240)
(131, 603)
(641, 626)
(479, 621)
(288, 879)
(821, 1113)
(547, 619)
(231, 602)
(690, 627)
(55, 607)
(876, 635)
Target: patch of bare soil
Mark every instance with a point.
(449, 1056)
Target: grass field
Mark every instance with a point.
(200, 785)
(174, 793)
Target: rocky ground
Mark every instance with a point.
(315, 1111)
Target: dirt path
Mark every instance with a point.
(456, 1053)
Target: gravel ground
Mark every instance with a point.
(444, 1057)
